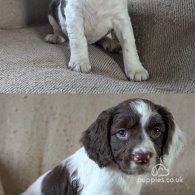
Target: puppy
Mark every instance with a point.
(89, 21)
(124, 143)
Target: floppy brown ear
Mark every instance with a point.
(168, 120)
(96, 139)
(174, 139)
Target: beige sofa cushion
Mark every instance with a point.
(1, 188)
(20, 13)
(165, 36)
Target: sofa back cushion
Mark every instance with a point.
(21, 13)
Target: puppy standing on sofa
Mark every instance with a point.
(124, 143)
(89, 21)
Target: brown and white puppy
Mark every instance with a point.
(89, 21)
(124, 143)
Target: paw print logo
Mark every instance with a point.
(160, 170)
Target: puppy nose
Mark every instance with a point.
(142, 158)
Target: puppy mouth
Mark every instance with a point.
(137, 163)
(136, 170)
(139, 170)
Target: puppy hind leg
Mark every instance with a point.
(110, 43)
(54, 38)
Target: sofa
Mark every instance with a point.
(164, 32)
(1, 189)
(37, 132)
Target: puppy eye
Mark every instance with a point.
(156, 132)
(122, 134)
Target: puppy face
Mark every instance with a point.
(134, 136)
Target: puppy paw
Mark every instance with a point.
(110, 45)
(54, 39)
(138, 75)
(80, 66)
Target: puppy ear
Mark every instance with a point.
(175, 147)
(173, 142)
(96, 139)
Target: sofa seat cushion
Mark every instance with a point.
(29, 65)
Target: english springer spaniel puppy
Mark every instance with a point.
(89, 21)
(124, 143)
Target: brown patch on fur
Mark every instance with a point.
(53, 9)
(168, 120)
(58, 182)
(63, 5)
(96, 139)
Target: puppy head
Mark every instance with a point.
(135, 135)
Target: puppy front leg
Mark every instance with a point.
(79, 60)
(133, 67)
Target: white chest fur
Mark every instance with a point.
(98, 20)
(96, 17)
(104, 181)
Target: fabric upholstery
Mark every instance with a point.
(1, 189)
(21, 13)
(164, 32)
(30, 65)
